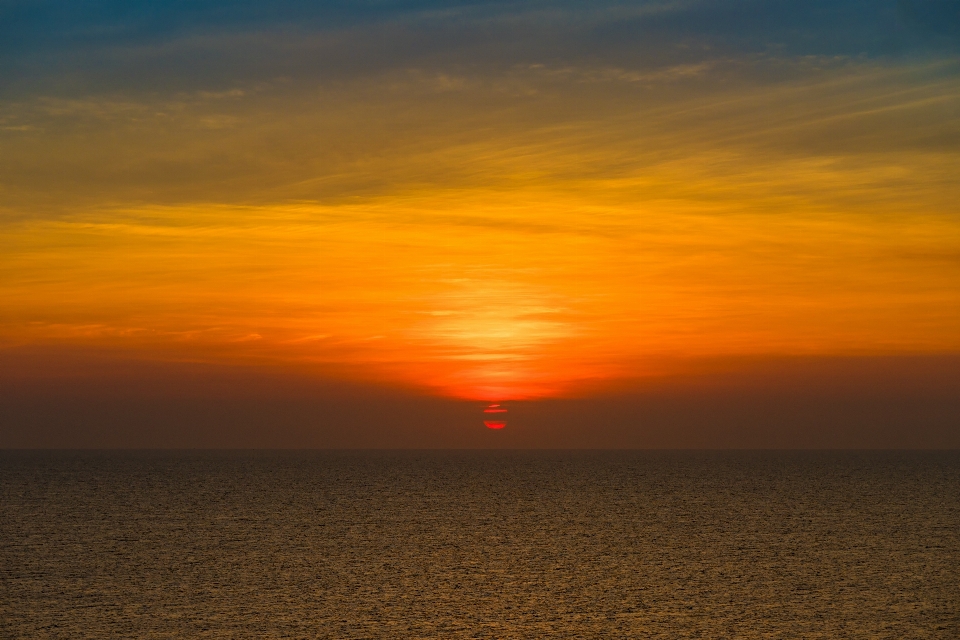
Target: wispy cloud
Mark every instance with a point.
(476, 195)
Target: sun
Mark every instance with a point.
(494, 424)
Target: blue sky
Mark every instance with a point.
(68, 47)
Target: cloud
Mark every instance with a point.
(69, 47)
(576, 128)
(670, 180)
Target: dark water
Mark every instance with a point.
(480, 545)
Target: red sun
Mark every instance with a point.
(495, 424)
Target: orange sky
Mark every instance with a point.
(520, 231)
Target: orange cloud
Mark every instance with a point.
(495, 237)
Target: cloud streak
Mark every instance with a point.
(485, 200)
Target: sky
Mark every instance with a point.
(727, 223)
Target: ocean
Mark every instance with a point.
(459, 544)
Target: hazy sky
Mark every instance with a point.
(716, 223)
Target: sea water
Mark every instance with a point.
(479, 545)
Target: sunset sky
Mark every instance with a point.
(583, 208)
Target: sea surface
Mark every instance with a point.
(479, 545)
